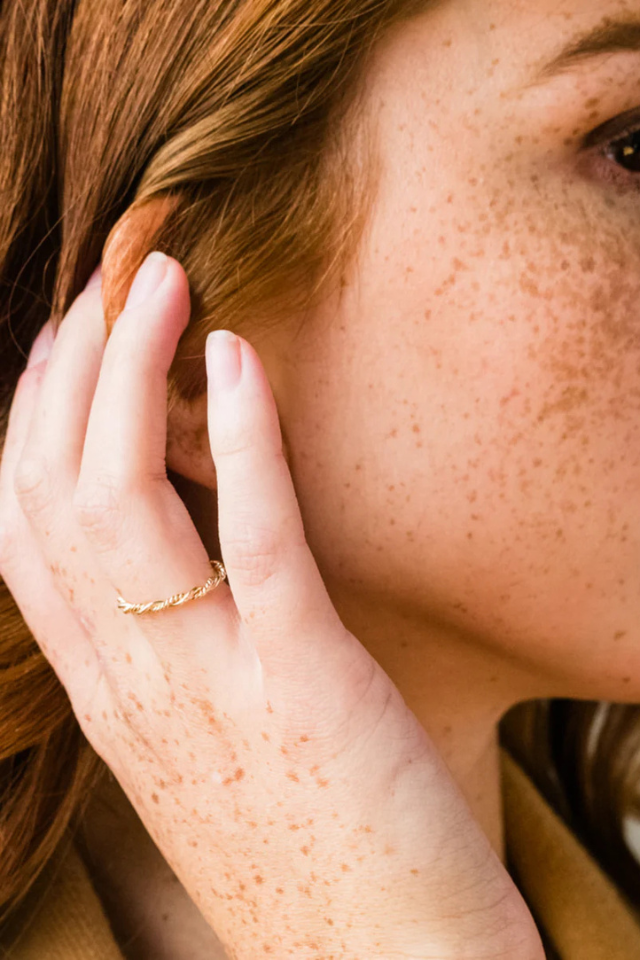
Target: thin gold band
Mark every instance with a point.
(178, 598)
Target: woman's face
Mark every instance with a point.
(464, 420)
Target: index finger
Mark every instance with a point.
(271, 570)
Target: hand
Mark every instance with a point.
(273, 762)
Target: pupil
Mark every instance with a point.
(627, 152)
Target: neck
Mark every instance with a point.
(458, 691)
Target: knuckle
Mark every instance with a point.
(229, 445)
(98, 508)
(254, 553)
(32, 485)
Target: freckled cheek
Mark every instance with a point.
(540, 394)
(588, 355)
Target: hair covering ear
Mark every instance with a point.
(127, 245)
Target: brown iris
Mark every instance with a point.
(626, 152)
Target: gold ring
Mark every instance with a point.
(178, 598)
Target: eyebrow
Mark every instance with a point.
(612, 36)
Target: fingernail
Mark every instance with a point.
(41, 347)
(223, 359)
(147, 279)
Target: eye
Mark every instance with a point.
(614, 148)
(626, 151)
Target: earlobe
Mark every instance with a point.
(188, 449)
(128, 243)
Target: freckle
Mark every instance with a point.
(344, 867)
(284, 751)
(322, 783)
(154, 797)
(258, 878)
(293, 776)
(73, 549)
(128, 658)
(279, 890)
(87, 717)
(305, 850)
(269, 708)
(619, 634)
(626, 679)
(304, 738)
(294, 826)
(265, 736)
(104, 714)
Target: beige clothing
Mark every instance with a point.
(582, 913)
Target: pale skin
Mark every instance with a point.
(461, 423)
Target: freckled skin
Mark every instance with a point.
(489, 485)
(463, 427)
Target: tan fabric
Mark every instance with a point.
(61, 919)
(579, 908)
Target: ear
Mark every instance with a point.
(190, 467)
(129, 242)
(188, 450)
